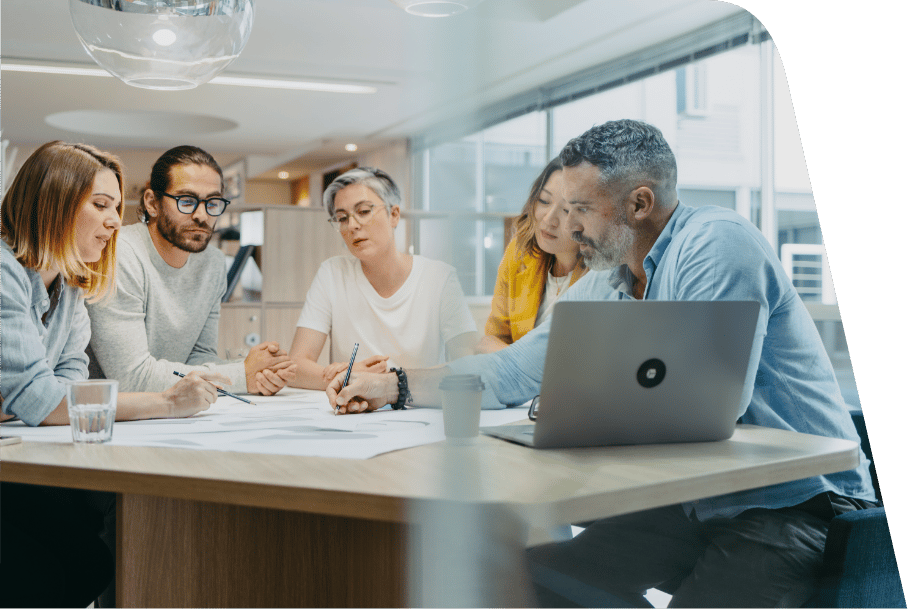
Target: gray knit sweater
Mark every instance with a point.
(161, 319)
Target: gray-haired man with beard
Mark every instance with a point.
(164, 316)
(755, 548)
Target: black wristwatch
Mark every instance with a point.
(403, 390)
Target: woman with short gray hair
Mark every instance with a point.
(403, 310)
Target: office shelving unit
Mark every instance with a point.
(295, 241)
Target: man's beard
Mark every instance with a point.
(608, 252)
(192, 243)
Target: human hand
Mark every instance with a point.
(193, 393)
(332, 370)
(261, 356)
(366, 391)
(376, 363)
(271, 380)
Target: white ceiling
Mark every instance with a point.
(426, 71)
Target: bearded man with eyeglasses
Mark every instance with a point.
(164, 315)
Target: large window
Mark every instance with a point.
(478, 182)
(730, 122)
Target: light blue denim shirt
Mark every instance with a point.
(711, 253)
(37, 357)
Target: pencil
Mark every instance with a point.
(349, 368)
(221, 391)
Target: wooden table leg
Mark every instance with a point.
(179, 553)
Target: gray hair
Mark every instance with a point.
(625, 150)
(377, 180)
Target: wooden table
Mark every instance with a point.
(202, 528)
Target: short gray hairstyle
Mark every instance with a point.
(377, 180)
(624, 150)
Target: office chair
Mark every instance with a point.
(859, 567)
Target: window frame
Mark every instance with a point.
(680, 53)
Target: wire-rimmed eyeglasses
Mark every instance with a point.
(187, 204)
(534, 406)
(364, 214)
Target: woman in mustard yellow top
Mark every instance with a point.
(539, 264)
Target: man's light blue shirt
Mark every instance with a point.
(38, 356)
(712, 253)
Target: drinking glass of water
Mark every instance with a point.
(92, 409)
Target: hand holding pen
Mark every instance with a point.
(196, 392)
(349, 369)
(219, 390)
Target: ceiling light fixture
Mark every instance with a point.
(64, 70)
(436, 8)
(164, 44)
(237, 81)
(351, 147)
(283, 175)
(299, 85)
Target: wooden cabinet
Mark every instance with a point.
(240, 327)
(295, 242)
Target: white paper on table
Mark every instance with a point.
(294, 422)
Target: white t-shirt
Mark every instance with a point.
(411, 327)
(554, 288)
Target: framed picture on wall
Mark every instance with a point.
(235, 181)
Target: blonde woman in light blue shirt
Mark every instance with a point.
(60, 220)
(59, 224)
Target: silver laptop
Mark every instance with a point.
(650, 372)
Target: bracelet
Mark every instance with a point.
(403, 390)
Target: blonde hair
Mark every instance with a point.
(38, 215)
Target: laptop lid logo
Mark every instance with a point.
(651, 373)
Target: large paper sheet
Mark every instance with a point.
(294, 422)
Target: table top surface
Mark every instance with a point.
(552, 486)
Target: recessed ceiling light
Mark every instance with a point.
(435, 8)
(283, 175)
(237, 81)
(138, 123)
(351, 147)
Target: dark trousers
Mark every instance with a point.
(51, 554)
(760, 558)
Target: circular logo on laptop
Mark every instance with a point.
(651, 373)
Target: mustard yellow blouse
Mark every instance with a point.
(518, 294)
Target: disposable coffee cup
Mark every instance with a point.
(92, 409)
(461, 401)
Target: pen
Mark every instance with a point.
(221, 391)
(349, 369)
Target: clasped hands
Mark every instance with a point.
(268, 369)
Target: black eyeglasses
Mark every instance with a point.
(187, 204)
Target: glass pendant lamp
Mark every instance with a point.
(163, 44)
